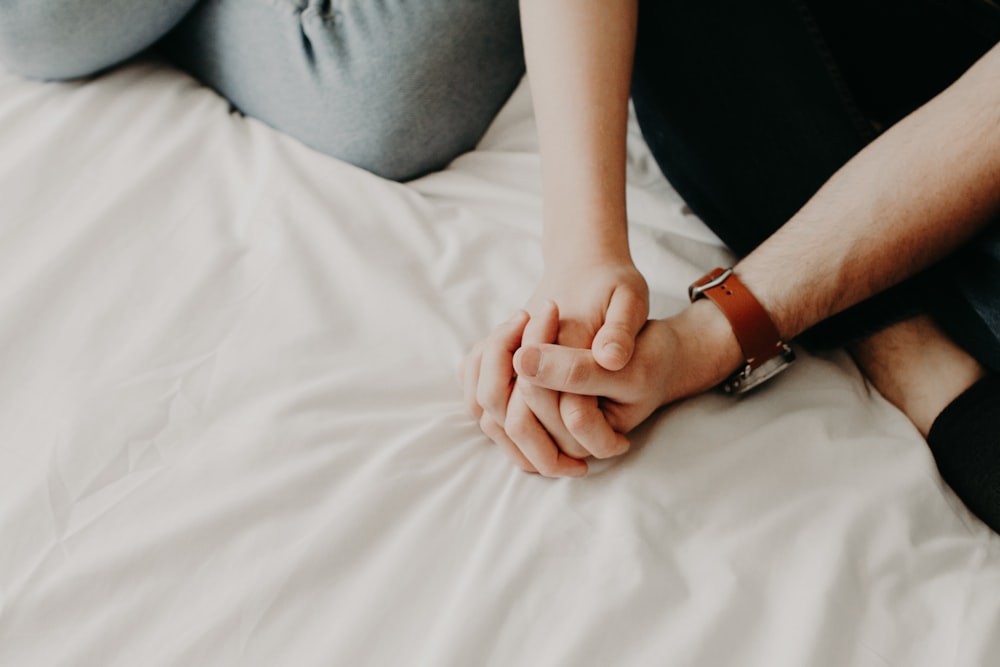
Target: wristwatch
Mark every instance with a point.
(764, 352)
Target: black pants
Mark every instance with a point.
(750, 106)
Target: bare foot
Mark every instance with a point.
(917, 368)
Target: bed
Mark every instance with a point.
(231, 431)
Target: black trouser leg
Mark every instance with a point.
(749, 107)
(741, 111)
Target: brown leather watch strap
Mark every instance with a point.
(755, 331)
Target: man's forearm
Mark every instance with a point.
(912, 197)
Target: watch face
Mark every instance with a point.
(747, 378)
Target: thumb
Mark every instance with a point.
(615, 340)
(570, 370)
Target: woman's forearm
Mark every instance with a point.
(912, 197)
(579, 57)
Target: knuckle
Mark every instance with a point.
(637, 289)
(619, 328)
(612, 449)
(547, 469)
(577, 373)
(531, 393)
(575, 450)
(518, 429)
(488, 426)
(577, 419)
(491, 399)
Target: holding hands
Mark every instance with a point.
(553, 387)
(604, 303)
(557, 384)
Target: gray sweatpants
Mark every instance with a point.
(397, 87)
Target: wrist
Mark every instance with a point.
(580, 251)
(586, 235)
(764, 350)
(703, 333)
(769, 294)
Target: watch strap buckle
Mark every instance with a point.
(765, 354)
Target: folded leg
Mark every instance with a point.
(749, 108)
(399, 88)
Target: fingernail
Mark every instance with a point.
(528, 361)
(615, 351)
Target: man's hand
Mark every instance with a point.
(622, 399)
(674, 358)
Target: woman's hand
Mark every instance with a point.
(608, 304)
(601, 307)
(603, 303)
(530, 442)
(580, 59)
(534, 434)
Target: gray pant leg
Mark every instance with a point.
(65, 39)
(397, 87)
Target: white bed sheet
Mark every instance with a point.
(230, 432)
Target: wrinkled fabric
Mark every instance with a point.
(230, 431)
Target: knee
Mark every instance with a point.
(67, 39)
(394, 87)
(407, 126)
(401, 108)
(398, 134)
(362, 89)
(38, 40)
